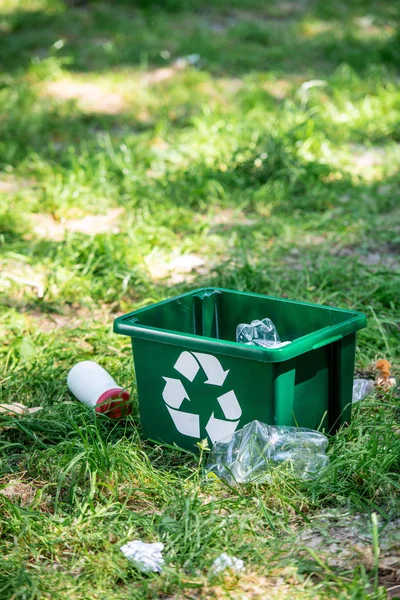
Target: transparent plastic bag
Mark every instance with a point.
(248, 455)
(259, 333)
(361, 388)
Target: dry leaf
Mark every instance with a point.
(16, 408)
(29, 282)
(383, 380)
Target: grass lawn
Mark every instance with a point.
(148, 148)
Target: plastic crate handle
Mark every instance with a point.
(331, 340)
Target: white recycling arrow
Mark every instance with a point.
(230, 405)
(174, 392)
(187, 365)
(212, 368)
(218, 429)
(186, 423)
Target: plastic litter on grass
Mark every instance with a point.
(146, 557)
(225, 562)
(248, 455)
(361, 388)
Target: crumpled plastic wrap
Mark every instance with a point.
(146, 557)
(361, 388)
(248, 455)
(224, 562)
(259, 333)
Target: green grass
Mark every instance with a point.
(275, 158)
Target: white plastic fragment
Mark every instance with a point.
(146, 557)
(361, 388)
(224, 562)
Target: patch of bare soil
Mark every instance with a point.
(47, 227)
(13, 186)
(225, 220)
(279, 88)
(164, 73)
(280, 584)
(72, 318)
(285, 10)
(175, 268)
(90, 96)
(364, 157)
(344, 541)
(387, 255)
(20, 492)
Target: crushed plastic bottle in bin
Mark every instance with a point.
(361, 388)
(146, 557)
(249, 454)
(259, 333)
(224, 562)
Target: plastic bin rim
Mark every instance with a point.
(310, 341)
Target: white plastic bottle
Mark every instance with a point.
(92, 385)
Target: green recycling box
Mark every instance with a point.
(195, 381)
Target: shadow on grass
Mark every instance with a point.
(53, 134)
(99, 36)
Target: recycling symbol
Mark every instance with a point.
(174, 393)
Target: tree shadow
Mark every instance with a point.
(50, 132)
(309, 187)
(103, 36)
(100, 37)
